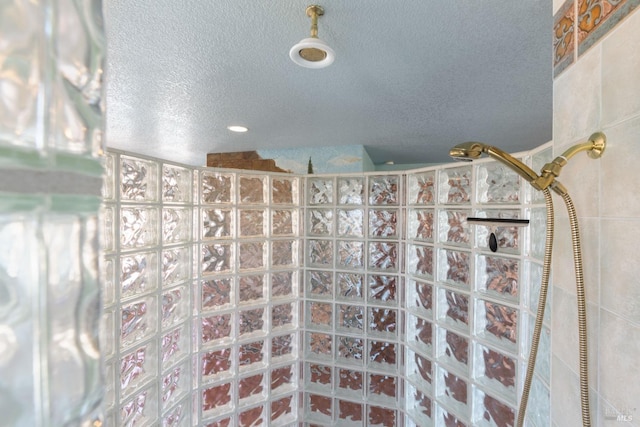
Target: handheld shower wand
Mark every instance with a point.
(547, 179)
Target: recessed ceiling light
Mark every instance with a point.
(239, 129)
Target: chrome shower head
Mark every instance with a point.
(468, 151)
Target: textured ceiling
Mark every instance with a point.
(411, 77)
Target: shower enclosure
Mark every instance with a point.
(248, 299)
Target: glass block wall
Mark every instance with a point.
(200, 295)
(240, 298)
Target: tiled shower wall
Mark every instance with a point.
(239, 298)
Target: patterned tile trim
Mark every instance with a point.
(564, 37)
(597, 17)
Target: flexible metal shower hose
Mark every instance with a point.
(542, 300)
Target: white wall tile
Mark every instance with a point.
(620, 71)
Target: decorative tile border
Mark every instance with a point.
(563, 37)
(595, 18)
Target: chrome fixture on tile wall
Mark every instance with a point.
(594, 147)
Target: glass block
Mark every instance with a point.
(383, 256)
(217, 223)
(140, 409)
(138, 367)
(174, 345)
(138, 227)
(382, 387)
(537, 232)
(284, 253)
(216, 188)
(176, 184)
(419, 405)
(420, 297)
(176, 225)
(108, 178)
(252, 255)
(421, 260)
(320, 406)
(453, 390)
(382, 321)
(319, 377)
(350, 350)
(107, 329)
(454, 229)
(216, 258)
(251, 289)
(177, 416)
(448, 419)
(420, 333)
(110, 385)
(283, 316)
(252, 222)
(176, 266)
(138, 274)
(350, 413)
(319, 284)
(508, 238)
(284, 222)
(350, 382)
(253, 189)
(107, 219)
(497, 323)
(176, 384)
(138, 179)
(283, 379)
(216, 364)
(419, 369)
(224, 422)
(138, 320)
(216, 293)
(497, 183)
(539, 406)
(251, 388)
(498, 277)
(350, 254)
(454, 267)
(350, 223)
(320, 222)
(252, 322)
(455, 185)
(319, 315)
(422, 189)
(283, 411)
(453, 349)
(421, 224)
(453, 309)
(535, 283)
(251, 355)
(384, 190)
(176, 306)
(351, 191)
(216, 328)
(496, 371)
(350, 317)
(283, 347)
(320, 252)
(217, 399)
(382, 289)
(383, 223)
(349, 286)
(381, 417)
(382, 355)
(320, 191)
(319, 344)
(283, 284)
(284, 191)
(543, 361)
(490, 411)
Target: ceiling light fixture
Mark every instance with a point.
(312, 52)
(239, 129)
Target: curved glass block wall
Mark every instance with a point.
(242, 298)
